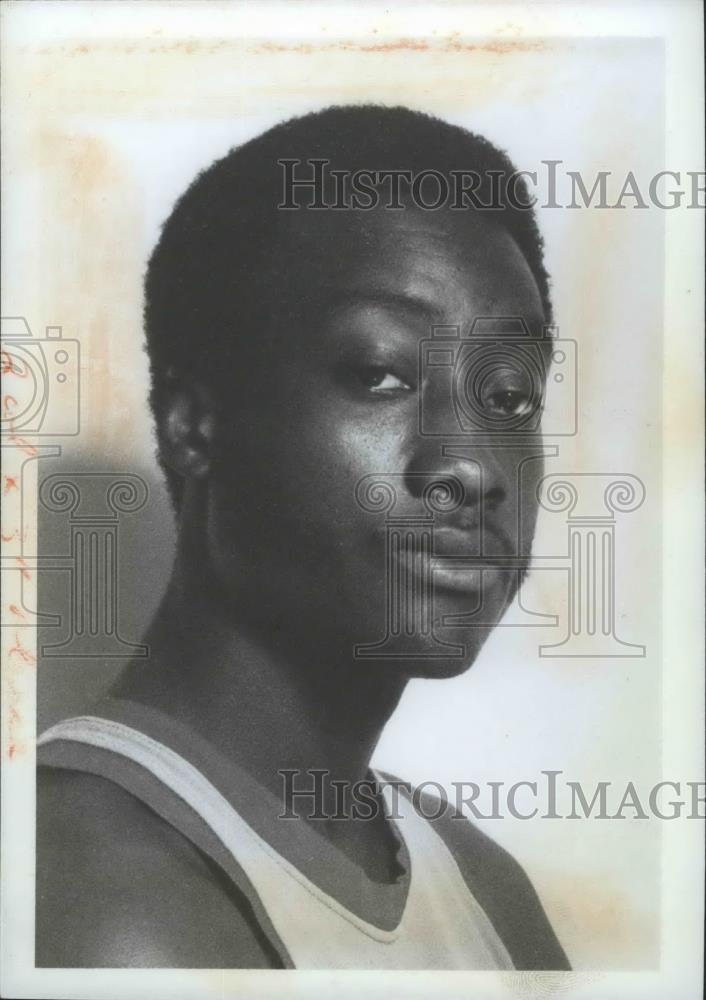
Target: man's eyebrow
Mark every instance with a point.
(407, 302)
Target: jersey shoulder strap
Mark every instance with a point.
(167, 784)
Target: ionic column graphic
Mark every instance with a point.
(526, 454)
(20, 562)
(591, 502)
(409, 542)
(93, 563)
(409, 593)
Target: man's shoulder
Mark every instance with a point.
(498, 883)
(117, 886)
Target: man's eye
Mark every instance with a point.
(376, 378)
(508, 402)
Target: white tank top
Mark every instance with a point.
(442, 925)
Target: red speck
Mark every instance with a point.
(23, 568)
(19, 650)
(22, 443)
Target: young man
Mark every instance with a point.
(285, 345)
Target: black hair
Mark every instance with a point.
(209, 279)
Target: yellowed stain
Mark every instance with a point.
(451, 43)
(91, 265)
(603, 918)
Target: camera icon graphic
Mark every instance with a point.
(40, 393)
(494, 380)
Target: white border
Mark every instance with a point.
(679, 22)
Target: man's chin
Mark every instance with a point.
(448, 652)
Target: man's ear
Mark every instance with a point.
(187, 426)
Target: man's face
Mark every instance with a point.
(333, 392)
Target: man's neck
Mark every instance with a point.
(261, 707)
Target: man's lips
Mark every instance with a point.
(456, 564)
(450, 542)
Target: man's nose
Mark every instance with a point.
(478, 472)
